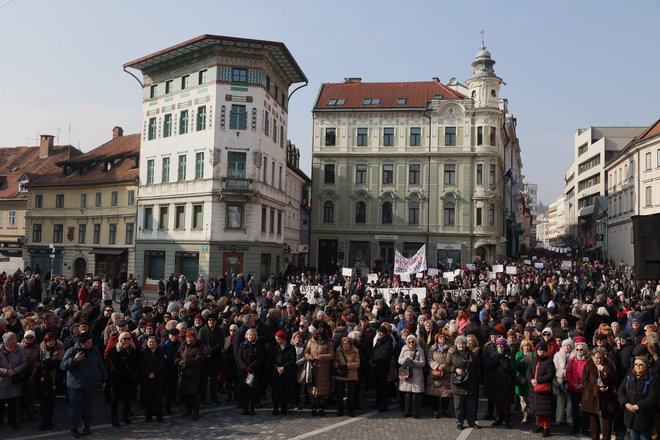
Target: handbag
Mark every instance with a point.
(437, 374)
(249, 380)
(342, 370)
(309, 372)
(541, 388)
(405, 372)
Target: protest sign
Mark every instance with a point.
(538, 265)
(432, 271)
(347, 271)
(566, 264)
(372, 277)
(497, 268)
(511, 270)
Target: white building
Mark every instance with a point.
(542, 227)
(531, 192)
(633, 188)
(212, 194)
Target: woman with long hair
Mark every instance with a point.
(599, 398)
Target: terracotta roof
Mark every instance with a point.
(120, 146)
(407, 95)
(652, 131)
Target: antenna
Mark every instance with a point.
(483, 45)
(69, 134)
(57, 141)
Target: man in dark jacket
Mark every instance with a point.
(212, 337)
(381, 356)
(85, 374)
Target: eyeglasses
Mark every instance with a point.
(547, 334)
(29, 337)
(212, 319)
(640, 365)
(125, 339)
(411, 342)
(579, 349)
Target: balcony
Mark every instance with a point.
(237, 188)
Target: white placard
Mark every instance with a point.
(405, 277)
(512, 270)
(455, 293)
(585, 259)
(394, 291)
(538, 265)
(307, 291)
(446, 275)
(471, 266)
(419, 275)
(338, 289)
(566, 264)
(534, 257)
(372, 277)
(497, 268)
(450, 260)
(458, 272)
(528, 262)
(432, 271)
(347, 271)
(492, 275)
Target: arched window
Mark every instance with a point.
(474, 94)
(493, 93)
(450, 214)
(413, 213)
(360, 212)
(386, 215)
(328, 212)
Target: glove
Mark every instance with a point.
(182, 364)
(248, 369)
(343, 366)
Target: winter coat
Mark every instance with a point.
(560, 359)
(466, 361)
(352, 359)
(16, 361)
(595, 401)
(283, 384)
(213, 341)
(381, 356)
(416, 360)
(541, 404)
(153, 362)
(322, 366)
(642, 392)
(521, 365)
(436, 360)
(574, 372)
(502, 375)
(87, 374)
(190, 361)
(124, 365)
(250, 358)
(48, 363)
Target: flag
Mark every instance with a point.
(521, 200)
(509, 174)
(570, 206)
(414, 264)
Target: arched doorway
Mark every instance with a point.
(80, 268)
(480, 254)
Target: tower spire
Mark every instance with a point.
(483, 44)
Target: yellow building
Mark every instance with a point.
(18, 166)
(81, 219)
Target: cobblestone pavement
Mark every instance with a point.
(225, 422)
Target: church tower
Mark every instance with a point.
(484, 85)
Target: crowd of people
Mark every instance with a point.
(557, 344)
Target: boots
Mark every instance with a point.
(507, 422)
(115, 422)
(499, 421)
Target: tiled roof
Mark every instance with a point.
(406, 95)
(120, 146)
(652, 131)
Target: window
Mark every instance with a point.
(491, 215)
(480, 135)
(279, 222)
(267, 124)
(450, 136)
(386, 213)
(36, 233)
(112, 233)
(185, 81)
(39, 201)
(478, 217)
(648, 196)
(272, 221)
(152, 129)
(272, 173)
(97, 233)
(183, 122)
(361, 173)
(492, 136)
(413, 174)
(491, 175)
(83, 200)
(114, 198)
(0, 218)
(330, 137)
(235, 216)
(97, 200)
(328, 212)
(647, 157)
(268, 83)
(197, 216)
(400, 101)
(362, 139)
(150, 171)
(183, 161)
(388, 174)
(58, 232)
(279, 179)
(82, 232)
(201, 118)
(450, 174)
(415, 136)
(163, 217)
(371, 101)
(236, 164)
(413, 213)
(167, 125)
(130, 232)
(165, 174)
(274, 130)
(281, 136)
(480, 174)
(199, 165)
(388, 136)
(360, 213)
(130, 197)
(59, 200)
(239, 75)
(180, 217)
(238, 117)
(201, 76)
(449, 214)
(329, 173)
(264, 219)
(168, 86)
(152, 91)
(265, 168)
(657, 160)
(148, 221)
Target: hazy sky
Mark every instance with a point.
(567, 64)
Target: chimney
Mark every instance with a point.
(352, 80)
(117, 132)
(436, 79)
(45, 145)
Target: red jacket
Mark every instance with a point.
(574, 374)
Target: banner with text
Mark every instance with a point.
(414, 264)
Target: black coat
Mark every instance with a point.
(284, 388)
(125, 365)
(466, 361)
(213, 341)
(541, 404)
(632, 390)
(501, 384)
(250, 357)
(381, 355)
(153, 362)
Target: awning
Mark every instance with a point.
(107, 251)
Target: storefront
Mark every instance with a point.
(110, 263)
(47, 259)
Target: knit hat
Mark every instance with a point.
(460, 338)
(29, 333)
(602, 311)
(542, 346)
(568, 342)
(7, 337)
(500, 341)
(281, 335)
(547, 330)
(580, 339)
(383, 329)
(84, 337)
(199, 316)
(191, 334)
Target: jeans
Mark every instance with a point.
(80, 407)
(465, 408)
(640, 435)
